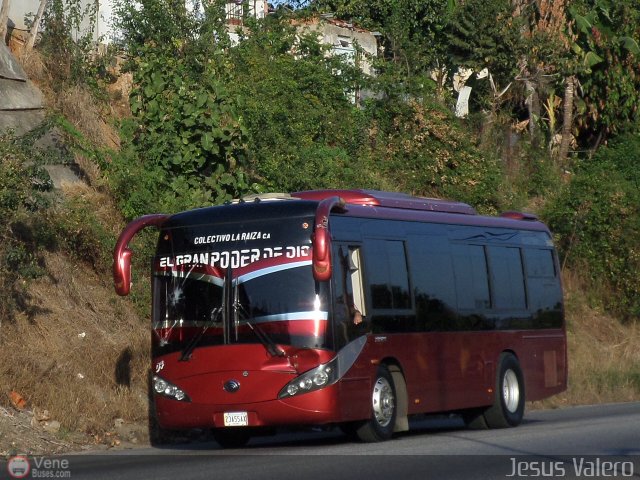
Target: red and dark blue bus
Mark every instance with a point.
(354, 308)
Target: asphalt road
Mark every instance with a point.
(600, 441)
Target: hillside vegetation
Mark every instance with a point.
(184, 121)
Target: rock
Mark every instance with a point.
(41, 415)
(52, 427)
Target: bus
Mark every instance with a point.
(349, 308)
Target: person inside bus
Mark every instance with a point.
(356, 314)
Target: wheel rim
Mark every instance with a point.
(383, 401)
(511, 391)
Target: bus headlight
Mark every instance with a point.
(327, 373)
(315, 379)
(162, 387)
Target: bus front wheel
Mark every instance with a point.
(508, 406)
(384, 404)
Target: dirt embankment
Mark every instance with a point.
(73, 367)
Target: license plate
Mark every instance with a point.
(236, 419)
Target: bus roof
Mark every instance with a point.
(389, 199)
(361, 202)
(407, 207)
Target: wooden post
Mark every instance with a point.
(4, 19)
(33, 32)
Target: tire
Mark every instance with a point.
(508, 405)
(384, 404)
(232, 437)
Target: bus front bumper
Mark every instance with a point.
(313, 408)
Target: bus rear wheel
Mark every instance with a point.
(508, 406)
(232, 437)
(384, 404)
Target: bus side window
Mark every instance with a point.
(543, 286)
(349, 301)
(388, 275)
(471, 277)
(507, 278)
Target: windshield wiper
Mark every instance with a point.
(270, 346)
(186, 353)
(231, 310)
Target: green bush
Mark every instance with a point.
(22, 204)
(596, 219)
(421, 148)
(77, 231)
(303, 131)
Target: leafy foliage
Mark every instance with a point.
(412, 32)
(420, 148)
(607, 44)
(597, 222)
(189, 127)
(303, 130)
(486, 34)
(188, 146)
(22, 200)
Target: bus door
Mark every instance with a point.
(349, 306)
(351, 320)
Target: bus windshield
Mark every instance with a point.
(279, 301)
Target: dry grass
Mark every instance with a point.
(84, 356)
(79, 107)
(81, 353)
(74, 102)
(101, 204)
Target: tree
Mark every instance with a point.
(413, 43)
(189, 140)
(303, 131)
(606, 46)
(590, 47)
(567, 118)
(548, 56)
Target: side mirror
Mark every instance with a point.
(122, 253)
(321, 238)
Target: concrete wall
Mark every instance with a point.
(345, 39)
(21, 103)
(19, 9)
